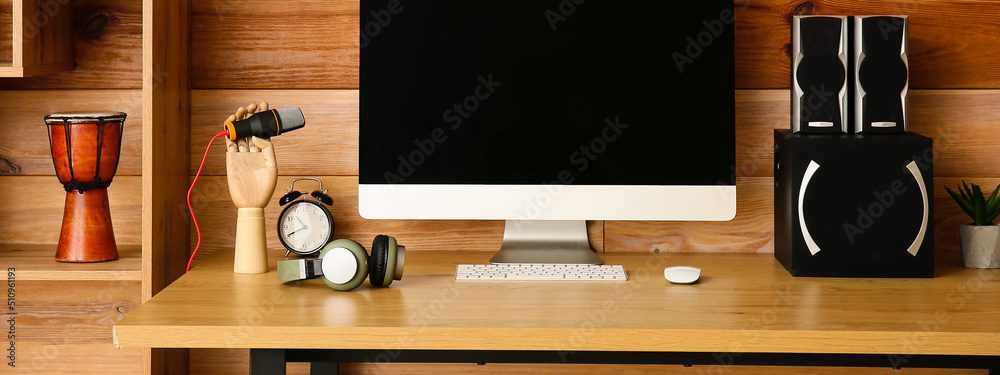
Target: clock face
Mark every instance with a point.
(304, 227)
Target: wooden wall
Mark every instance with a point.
(316, 67)
(306, 54)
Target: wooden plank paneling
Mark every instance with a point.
(31, 209)
(28, 147)
(65, 327)
(6, 32)
(326, 146)
(300, 44)
(757, 113)
(107, 49)
(952, 44)
(315, 44)
(964, 127)
(57, 357)
(82, 312)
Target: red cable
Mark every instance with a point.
(190, 209)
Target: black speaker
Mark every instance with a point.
(854, 205)
(820, 74)
(881, 74)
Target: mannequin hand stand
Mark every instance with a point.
(252, 174)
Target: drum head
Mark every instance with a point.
(85, 116)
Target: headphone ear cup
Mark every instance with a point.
(387, 260)
(345, 264)
(379, 258)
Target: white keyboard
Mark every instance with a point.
(538, 271)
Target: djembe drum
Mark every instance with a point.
(85, 151)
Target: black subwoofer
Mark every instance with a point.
(854, 205)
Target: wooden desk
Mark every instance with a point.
(744, 303)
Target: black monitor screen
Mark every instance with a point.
(581, 92)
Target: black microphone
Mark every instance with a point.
(267, 124)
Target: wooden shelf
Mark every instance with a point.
(37, 262)
(41, 37)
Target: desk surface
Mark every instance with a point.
(743, 303)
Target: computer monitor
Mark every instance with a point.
(547, 113)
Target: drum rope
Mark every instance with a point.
(96, 182)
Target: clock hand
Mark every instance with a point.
(304, 227)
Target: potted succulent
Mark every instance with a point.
(981, 238)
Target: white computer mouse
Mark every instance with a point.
(682, 274)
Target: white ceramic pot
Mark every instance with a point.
(980, 245)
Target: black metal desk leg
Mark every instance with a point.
(324, 368)
(267, 361)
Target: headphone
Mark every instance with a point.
(343, 264)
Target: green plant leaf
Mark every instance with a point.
(978, 205)
(977, 193)
(962, 201)
(966, 192)
(993, 204)
(992, 210)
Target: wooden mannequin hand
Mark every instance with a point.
(250, 165)
(252, 173)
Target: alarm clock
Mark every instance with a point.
(305, 225)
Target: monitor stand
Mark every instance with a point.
(545, 241)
